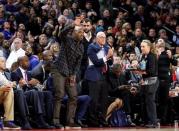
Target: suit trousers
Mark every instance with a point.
(163, 97)
(150, 95)
(7, 99)
(98, 91)
(60, 86)
(46, 100)
(21, 106)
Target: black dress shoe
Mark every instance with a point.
(151, 126)
(58, 126)
(26, 126)
(45, 126)
(79, 122)
(103, 124)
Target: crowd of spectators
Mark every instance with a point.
(30, 39)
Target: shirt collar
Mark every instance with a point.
(2, 73)
(22, 70)
(88, 36)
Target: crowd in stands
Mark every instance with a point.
(63, 62)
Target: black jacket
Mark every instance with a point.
(164, 66)
(151, 65)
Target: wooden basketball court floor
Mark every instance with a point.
(117, 129)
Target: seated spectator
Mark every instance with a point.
(175, 38)
(163, 35)
(152, 35)
(19, 98)
(10, 7)
(7, 33)
(7, 97)
(2, 19)
(3, 51)
(38, 99)
(21, 16)
(42, 70)
(33, 59)
(16, 53)
(55, 48)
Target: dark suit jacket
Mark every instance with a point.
(94, 72)
(8, 75)
(17, 75)
(38, 73)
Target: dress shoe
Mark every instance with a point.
(79, 122)
(103, 124)
(58, 126)
(26, 126)
(10, 125)
(72, 126)
(151, 125)
(129, 120)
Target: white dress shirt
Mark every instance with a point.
(24, 73)
(101, 55)
(88, 36)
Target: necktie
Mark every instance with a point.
(104, 69)
(26, 78)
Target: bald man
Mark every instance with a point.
(33, 97)
(41, 71)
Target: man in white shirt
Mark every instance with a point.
(16, 53)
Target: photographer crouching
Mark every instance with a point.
(120, 87)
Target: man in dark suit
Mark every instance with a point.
(99, 55)
(87, 40)
(33, 96)
(41, 71)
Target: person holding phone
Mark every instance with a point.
(150, 81)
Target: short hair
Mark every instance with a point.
(17, 40)
(161, 42)
(161, 31)
(100, 34)
(61, 17)
(42, 35)
(20, 59)
(87, 20)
